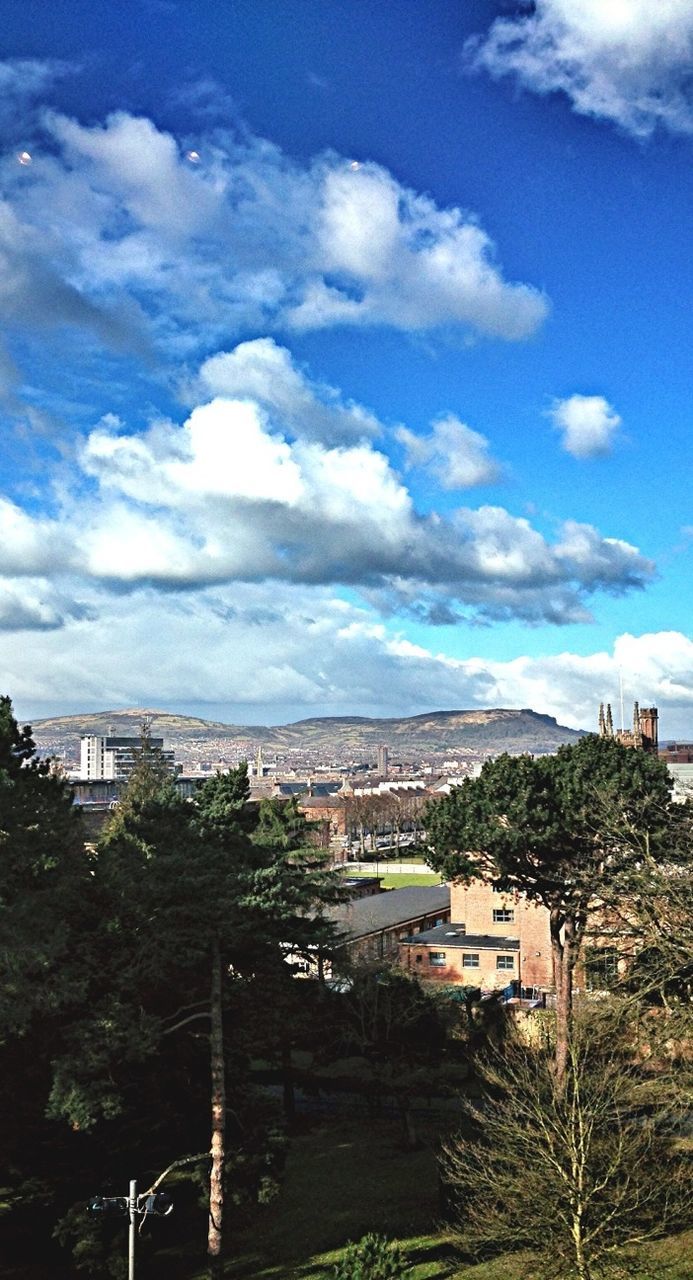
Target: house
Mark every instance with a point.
(492, 938)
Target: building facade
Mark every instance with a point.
(114, 758)
(493, 939)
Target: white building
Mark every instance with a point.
(114, 758)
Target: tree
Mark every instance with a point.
(584, 1173)
(280, 824)
(46, 909)
(192, 907)
(44, 878)
(534, 824)
(373, 1258)
(401, 1030)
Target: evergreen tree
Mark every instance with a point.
(190, 908)
(45, 911)
(539, 825)
(44, 875)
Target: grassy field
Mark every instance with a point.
(345, 1178)
(397, 879)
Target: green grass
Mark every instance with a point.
(347, 1177)
(342, 1179)
(396, 879)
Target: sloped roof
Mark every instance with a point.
(387, 910)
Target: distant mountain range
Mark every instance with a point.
(494, 730)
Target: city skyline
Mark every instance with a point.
(346, 362)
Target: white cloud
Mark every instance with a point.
(266, 372)
(34, 605)
(228, 497)
(405, 262)
(31, 544)
(456, 455)
(141, 168)
(656, 669)
(628, 61)
(21, 81)
(279, 652)
(112, 226)
(588, 425)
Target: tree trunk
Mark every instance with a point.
(564, 997)
(218, 1080)
(564, 945)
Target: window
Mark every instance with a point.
(419, 958)
(601, 968)
(471, 960)
(505, 962)
(437, 959)
(503, 915)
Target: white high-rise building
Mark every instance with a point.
(114, 758)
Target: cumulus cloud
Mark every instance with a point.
(111, 223)
(32, 544)
(402, 261)
(265, 372)
(34, 605)
(22, 81)
(36, 293)
(588, 425)
(655, 668)
(628, 61)
(456, 455)
(228, 497)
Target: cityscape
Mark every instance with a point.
(346, 661)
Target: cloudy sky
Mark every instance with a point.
(346, 356)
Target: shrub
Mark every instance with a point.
(373, 1258)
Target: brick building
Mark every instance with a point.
(373, 926)
(493, 938)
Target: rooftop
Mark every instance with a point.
(453, 935)
(386, 910)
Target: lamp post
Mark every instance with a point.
(133, 1206)
(132, 1233)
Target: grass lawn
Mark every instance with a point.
(346, 1177)
(396, 879)
(343, 1178)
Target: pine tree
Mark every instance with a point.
(539, 825)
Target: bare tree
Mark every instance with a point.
(582, 1171)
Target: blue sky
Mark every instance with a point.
(346, 356)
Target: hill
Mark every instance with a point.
(478, 731)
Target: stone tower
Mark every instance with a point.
(649, 729)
